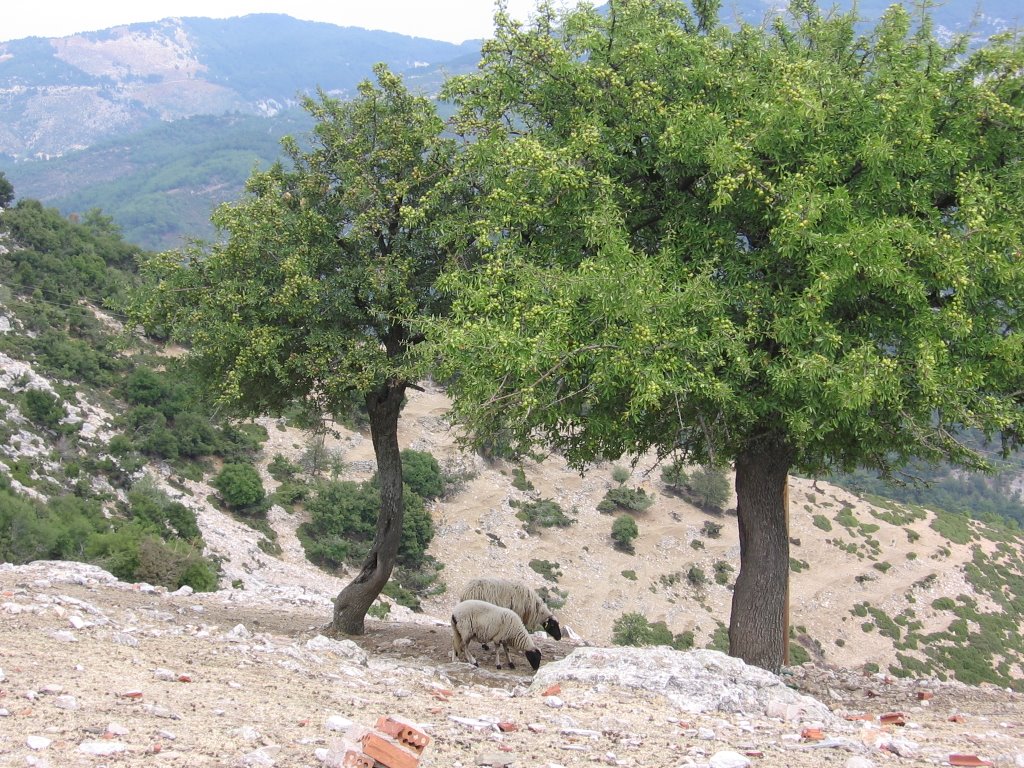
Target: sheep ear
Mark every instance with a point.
(534, 658)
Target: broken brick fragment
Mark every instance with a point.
(552, 690)
(388, 753)
(812, 734)
(967, 760)
(893, 718)
(404, 733)
(506, 727)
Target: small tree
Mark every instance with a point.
(311, 296)
(624, 531)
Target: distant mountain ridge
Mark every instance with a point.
(63, 94)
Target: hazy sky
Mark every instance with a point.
(451, 20)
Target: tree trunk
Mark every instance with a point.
(384, 405)
(759, 597)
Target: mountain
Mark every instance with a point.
(157, 123)
(65, 94)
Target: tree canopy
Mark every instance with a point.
(789, 247)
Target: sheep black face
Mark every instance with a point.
(534, 658)
(552, 628)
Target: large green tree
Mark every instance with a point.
(795, 247)
(309, 295)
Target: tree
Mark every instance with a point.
(6, 191)
(310, 296)
(789, 248)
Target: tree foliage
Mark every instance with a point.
(793, 247)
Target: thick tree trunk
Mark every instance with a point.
(384, 405)
(759, 598)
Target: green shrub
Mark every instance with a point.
(696, 576)
(519, 480)
(547, 569)
(720, 639)
(343, 521)
(628, 499)
(554, 598)
(241, 488)
(954, 527)
(281, 469)
(620, 474)
(709, 487)
(674, 475)
(624, 531)
(151, 506)
(883, 567)
(631, 575)
(543, 513)
(422, 473)
(820, 521)
(723, 572)
(633, 629)
(43, 409)
(711, 529)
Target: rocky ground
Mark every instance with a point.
(94, 672)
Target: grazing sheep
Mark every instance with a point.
(518, 597)
(489, 623)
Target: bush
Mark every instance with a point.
(151, 506)
(547, 569)
(544, 513)
(711, 529)
(422, 473)
(43, 409)
(634, 629)
(343, 521)
(709, 487)
(696, 576)
(723, 572)
(519, 481)
(620, 474)
(628, 499)
(820, 521)
(624, 531)
(674, 475)
(281, 469)
(240, 488)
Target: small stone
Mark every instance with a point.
(38, 742)
(123, 638)
(116, 729)
(728, 759)
(859, 762)
(164, 674)
(554, 702)
(338, 723)
(66, 702)
(101, 747)
(64, 636)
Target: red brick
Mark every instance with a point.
(388, 753)
(404, 733)
(354, 759)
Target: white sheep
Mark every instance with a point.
(489, 623)
(518, 597)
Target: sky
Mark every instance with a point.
(450, 20)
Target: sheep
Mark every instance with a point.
(520, 598)
(489, 623)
